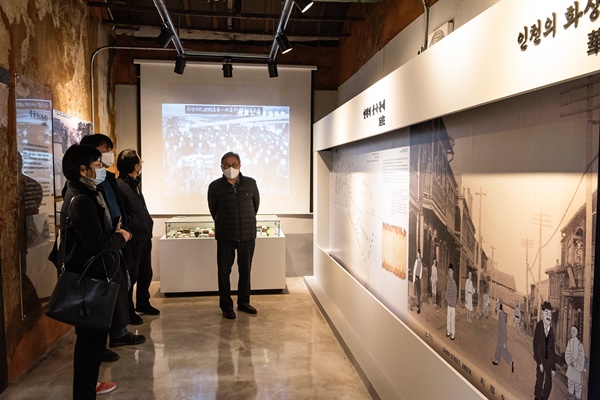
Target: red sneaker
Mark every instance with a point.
(105, 387)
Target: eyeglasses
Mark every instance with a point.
(236, 166)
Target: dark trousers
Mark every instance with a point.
(140, 273)
(418, 291)
(543, 383)
(89, 349)
(121, 316)
(225, 257)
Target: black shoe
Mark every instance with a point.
(109, 355)
(129, 339)
(494, 362)
(147, 309)
(247, 308)
(419, 311)
(229, 313)
(135, 319)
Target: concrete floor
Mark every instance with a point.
(287, 351)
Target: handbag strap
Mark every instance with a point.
(116, 261)
(62, 237)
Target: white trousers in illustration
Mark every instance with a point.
(450, 318)
(574, 388)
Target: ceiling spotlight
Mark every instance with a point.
(166, 34)
(227, 68)
(272, 67)
(303, 5)
(284, 43)
(180, 62)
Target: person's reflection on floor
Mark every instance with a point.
(235, 382)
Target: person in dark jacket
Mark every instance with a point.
(501, 349)
(107, 183)
(233, 201)
(87, 229)
(543, 354)
(140, 223)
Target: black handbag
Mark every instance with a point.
(86, 302)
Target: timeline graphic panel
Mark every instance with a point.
(370, 220)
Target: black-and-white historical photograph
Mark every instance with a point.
(66, 131)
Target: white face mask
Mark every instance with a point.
(231, 173)
(108, 158)
(100, 175)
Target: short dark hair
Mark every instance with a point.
(76, 156)
(127, 160)
(451, 267)
(229, 154)
(97, 140)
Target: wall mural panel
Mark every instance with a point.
(36, 194)
(506, 194)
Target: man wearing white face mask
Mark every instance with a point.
(233, 201)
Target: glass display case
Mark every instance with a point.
(204, 227)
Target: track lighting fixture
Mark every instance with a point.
(166, 34)
(227, 68)
(284, 43)
(303, 5)
(272, 67)
(180, 62)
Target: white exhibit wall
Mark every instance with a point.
(388, 353)
(479, 64)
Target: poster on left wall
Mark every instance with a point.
(36, 194)
(67, 130)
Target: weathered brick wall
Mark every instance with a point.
(49, 42)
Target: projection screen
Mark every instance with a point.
(189, 121)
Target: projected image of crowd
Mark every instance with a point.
(193, 148)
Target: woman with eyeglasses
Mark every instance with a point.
(87, 230)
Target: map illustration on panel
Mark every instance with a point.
(370, 210)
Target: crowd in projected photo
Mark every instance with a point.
(196, 136)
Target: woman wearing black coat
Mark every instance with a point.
(87, 229)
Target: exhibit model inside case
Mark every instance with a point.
(188, 256)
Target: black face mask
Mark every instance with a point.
(136, 180)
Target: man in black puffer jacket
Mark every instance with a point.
(233, 201)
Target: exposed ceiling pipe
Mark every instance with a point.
(285, 16)
(164, 14)
(236, 56)
(98, 50)
(424, 47)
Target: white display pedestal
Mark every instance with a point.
(190, 265)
